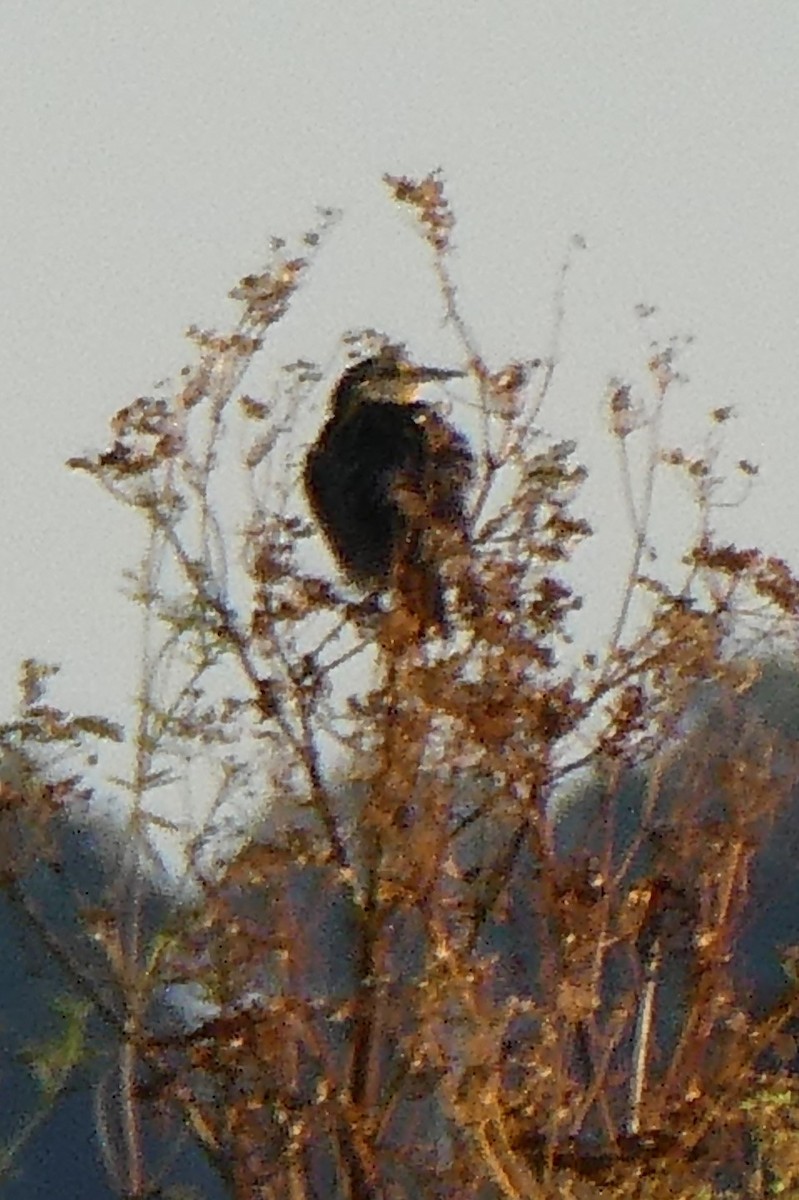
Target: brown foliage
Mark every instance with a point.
(415, 992)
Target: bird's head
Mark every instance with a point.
(387, 377)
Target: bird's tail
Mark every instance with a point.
(418, 585)
(421, 575)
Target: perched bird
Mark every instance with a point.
(386, 479)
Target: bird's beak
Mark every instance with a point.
(428, 374)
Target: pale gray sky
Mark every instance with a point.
(150, 149)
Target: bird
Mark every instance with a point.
(387, 481)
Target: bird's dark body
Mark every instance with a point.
(348, 479)
(386, 480)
